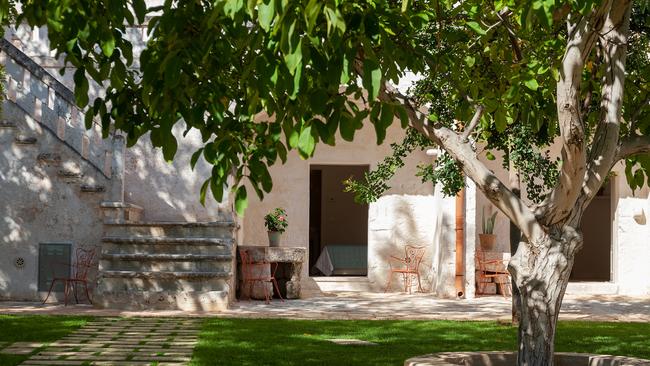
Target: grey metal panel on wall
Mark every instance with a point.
(54, 260)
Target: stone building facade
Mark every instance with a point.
(64, 187)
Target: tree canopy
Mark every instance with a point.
(260, 77)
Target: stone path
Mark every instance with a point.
(126, 341)
(360, 305)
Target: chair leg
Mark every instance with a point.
(74, 292)
(419, 283)
(87, 293)
(65, 293)
(50, 291)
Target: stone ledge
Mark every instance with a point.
(175, 223)
(166, 240)
(166, 257)
(165, 274)
(164, 300)
(496, 358)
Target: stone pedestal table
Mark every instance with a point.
(293, 257)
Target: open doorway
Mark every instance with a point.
(593, 262)
(338, 226)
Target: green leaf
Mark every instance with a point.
(470, 60)
(371, 77)
(169, 147)
(241, 200)
(202, 192)
(531, 84)
(405, 5)
(306, 142)
(107, 43)
(266, 14)
(312, 10)
(81, 87)
(476, 27)
(217, 188)
(500, 119)
(334, 21)
(489, 155)
(195, 157)
(140, 8)
(294, 59)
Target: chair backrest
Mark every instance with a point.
(413, 256)
(84, 258)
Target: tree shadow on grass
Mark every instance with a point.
(304, 342)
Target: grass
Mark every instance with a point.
(34, 328)
(304, 342)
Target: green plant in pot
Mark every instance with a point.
(488, 239)
(276, 223)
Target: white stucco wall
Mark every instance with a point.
(409, 213)
(630, 239)
(170, 191)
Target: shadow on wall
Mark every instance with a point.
(170, 191)
(39, 206)
(399, 220)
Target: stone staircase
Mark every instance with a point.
(164, 265)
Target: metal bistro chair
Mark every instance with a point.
(250, 275)
(492, 271)
(78, 275)
(409, 267)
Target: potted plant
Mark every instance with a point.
(487, 239)
(276, 223)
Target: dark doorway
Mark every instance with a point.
(337, 224)
(593, 262)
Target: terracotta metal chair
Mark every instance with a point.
(495, 270)
(80, 269)
(254, 272)
(409, 266)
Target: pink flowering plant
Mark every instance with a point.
(276, 220)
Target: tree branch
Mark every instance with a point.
(582, 37)
(631, 146)
(473, 123)
(603, 151)
(498, 193)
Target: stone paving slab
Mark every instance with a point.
(21, 348)
(123, 342)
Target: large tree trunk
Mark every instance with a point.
(541, 270)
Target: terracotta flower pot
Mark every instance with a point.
(487, 241)
(274, 238)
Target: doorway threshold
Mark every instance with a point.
(343, 283)
(592, 288)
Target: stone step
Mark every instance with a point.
(125, 281)
(120, 211)
(212, 229)
(22, 139)
(70, 170)
(165, 262)
(214, 300)
(92, 188)
(187, 275)
(7, 124)
(168, 245)
(49, 158)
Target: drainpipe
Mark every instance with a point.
(460, 243)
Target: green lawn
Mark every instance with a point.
(42, 329)
(303, 342)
